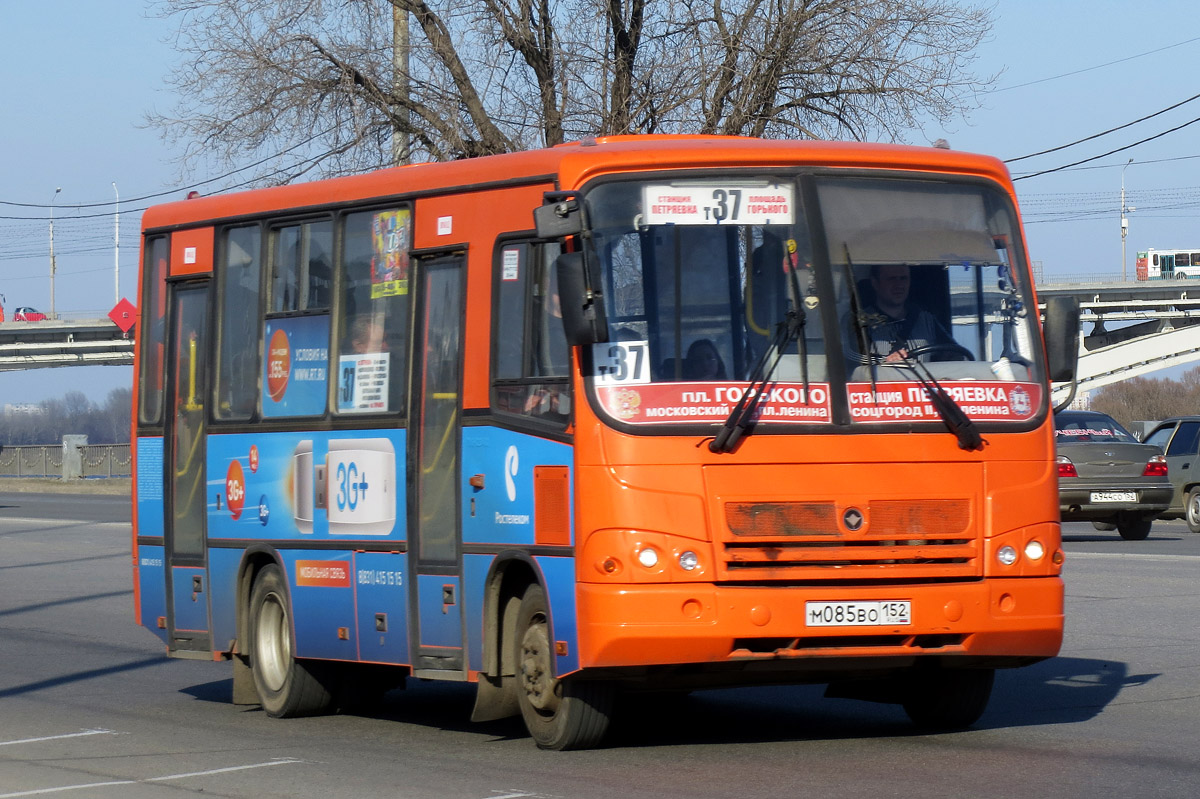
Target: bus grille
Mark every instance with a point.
(891, 539)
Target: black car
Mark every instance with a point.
(1178, 437)
(1107, 477)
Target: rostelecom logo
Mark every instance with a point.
(511, 464)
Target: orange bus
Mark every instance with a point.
(629, 413)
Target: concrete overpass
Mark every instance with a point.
(83, 342)
(1132, 328)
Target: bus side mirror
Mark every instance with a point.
(583, 315)
(559, 217)
(1061, 329)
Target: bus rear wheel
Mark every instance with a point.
(948, 699)
(286, 687)
(559, 714)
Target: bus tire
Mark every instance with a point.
(948, 699)
(559, 714)
(286, 687)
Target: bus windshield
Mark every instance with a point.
(888, 283)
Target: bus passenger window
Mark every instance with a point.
(371, 337)
(154, 320)
(239, 268)
(532, 359)
(301, 267)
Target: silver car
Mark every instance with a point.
(1106, 476)
(1179, 438)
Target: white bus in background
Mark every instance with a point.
(1168, 264)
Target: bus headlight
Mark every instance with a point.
(1007, 555)
(648, 557)
(1034, 550)
(688, 560)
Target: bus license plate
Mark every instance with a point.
(858, 614)
(1114, 496)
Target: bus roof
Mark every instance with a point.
(570, 166)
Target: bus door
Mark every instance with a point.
(187, 580)
(434, 482)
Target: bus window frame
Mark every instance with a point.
(154, 289)
(397, 416)
(273, 227)
(218, 314)
(535, 251)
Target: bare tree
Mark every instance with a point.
(304, 85)
(72, 414)
(1149, 398)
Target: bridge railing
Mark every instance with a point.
(1067, 279)
(46, 460)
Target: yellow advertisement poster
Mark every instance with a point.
(391, 237)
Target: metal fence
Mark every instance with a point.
(46, 460)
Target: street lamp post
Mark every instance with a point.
(400, 85)
(52, 264)
(1124, 218)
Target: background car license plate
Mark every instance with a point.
(858, 614)
(1114, 496)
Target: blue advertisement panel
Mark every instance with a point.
(152, 587)
(222, 593)
(150, 486)
(190, 605)
(382, 603)
(339, 486)
(296, 366)
(503, 510)
(322, 588)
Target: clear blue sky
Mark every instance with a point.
(79, 77)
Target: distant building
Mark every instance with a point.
(27, 408)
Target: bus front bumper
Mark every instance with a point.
(998, 621)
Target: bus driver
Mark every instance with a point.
(893, 325)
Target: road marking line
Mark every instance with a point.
(48, 521)
(283, 761)
(59, 737)
(1135, 555)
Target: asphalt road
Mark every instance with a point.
(91, 707)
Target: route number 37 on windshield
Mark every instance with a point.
(713, 204)
(621, 363)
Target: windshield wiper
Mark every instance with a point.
(953, 416)
(742, 415)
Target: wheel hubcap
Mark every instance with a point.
(274, 645)
(539, 686)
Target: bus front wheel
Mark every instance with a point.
(948, 699)
(559, 714)
(286, 687)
